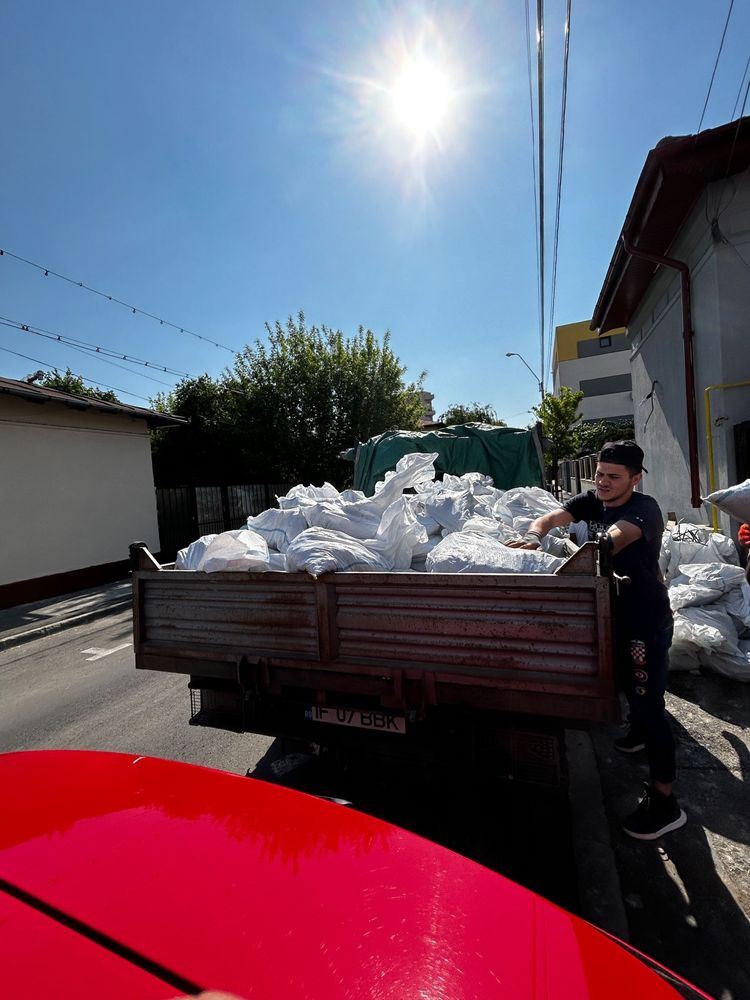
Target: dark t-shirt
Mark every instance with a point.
(643, 606)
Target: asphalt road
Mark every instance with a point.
(79, 689)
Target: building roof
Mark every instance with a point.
(673, 177)
(40, 394)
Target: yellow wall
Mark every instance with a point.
(568, 336)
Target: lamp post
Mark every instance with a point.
(540, 383)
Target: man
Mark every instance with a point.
(632, 526)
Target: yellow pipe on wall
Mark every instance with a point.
(710, 440)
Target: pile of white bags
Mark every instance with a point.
(457, 525)
(710, 598)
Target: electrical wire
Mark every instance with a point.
(716, 63)
(540, 109)
(87, 377)
(533, 155)
(39, 331)
(46, 271)
(563, 109)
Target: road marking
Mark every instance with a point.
(99, 653)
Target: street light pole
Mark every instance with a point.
(540, 383)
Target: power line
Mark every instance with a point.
(533, 156)
(559, 177)
(540, 108)
(87, 377)
(716, 63)
(46, 271)
(39, 331)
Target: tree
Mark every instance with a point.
(205, 452)
(286, 409)
(593, 434)
(558, 415)
(458, 413)
(74, 384)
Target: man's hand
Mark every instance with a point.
(531, 540)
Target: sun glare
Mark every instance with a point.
(421, 98)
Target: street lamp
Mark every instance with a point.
(540, 383)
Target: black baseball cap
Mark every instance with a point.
(623, 453)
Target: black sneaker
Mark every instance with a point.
(655, 815)
(631, 742)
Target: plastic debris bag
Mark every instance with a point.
(234, 551)
(278, 527)
(709, 633)
(469, 552)
(703, 583)
(310, 494)
(354, 519)
(322, 550)
(735, 500)
(191, 556)
(694, 543)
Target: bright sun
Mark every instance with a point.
(421, 97)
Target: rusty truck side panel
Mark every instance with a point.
(535, 644)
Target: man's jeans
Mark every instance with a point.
(643, 663)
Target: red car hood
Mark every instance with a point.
(229, 883)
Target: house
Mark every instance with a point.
(679, 281)
(597, 365)
(76, 489)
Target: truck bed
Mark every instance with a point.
(535, 644)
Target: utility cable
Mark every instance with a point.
(533, 154)
(540, 109)
(46, 271)
(39, 331)
(559, 180)
(716, 63)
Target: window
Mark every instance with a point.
(605, 342)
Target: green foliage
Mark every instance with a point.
(74, 384)
(593, 434)
(286, 409)
(558, 415)
(458, 413)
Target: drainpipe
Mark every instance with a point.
(687, 342)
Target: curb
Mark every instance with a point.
(599, 890)
(19, 638)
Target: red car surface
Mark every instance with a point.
(131, 877)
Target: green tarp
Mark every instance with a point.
(512, 457)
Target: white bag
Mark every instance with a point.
(709, 633)
(278, 527)
(310, 494)
(191, 556)
(735, 500)
(694, 543)
(236, 550)
(467, 552)
(703, 583)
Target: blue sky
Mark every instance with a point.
(226, 164)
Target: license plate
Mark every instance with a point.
(382, 722)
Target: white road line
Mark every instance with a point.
(99, 653)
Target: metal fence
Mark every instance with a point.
(187, 512)
(575, 475)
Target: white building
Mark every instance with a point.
(679, 280)
(76, 489)
(598, 366)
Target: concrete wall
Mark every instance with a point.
(588, 370)
(721, 320)
(76, 489)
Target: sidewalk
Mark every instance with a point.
(687, 897)
(32, 621)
